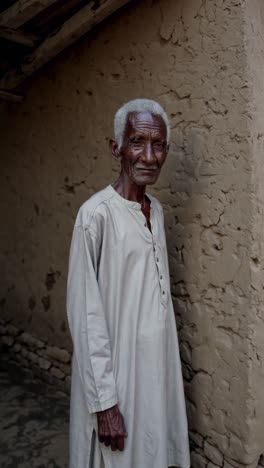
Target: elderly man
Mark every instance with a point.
(127, 400)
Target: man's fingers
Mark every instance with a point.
(111, 428)
(124, 428)
(114, 444)
(120, 443)
(107, 441)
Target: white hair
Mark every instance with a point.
(137, 105)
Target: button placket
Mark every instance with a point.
(159, 265)
(163, 293)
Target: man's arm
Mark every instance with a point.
(90, 338)
(87, 323)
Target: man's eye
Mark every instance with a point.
(136, 141)
(159, 144)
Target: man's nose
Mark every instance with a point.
(149, 155)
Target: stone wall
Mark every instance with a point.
(198, 60)
(47, 363)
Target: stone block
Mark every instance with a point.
(186, 372)
(65, 368)
(60, 385)
(7, 340)
(59, 354)
(197, 439)
(24, 352)
(227, 465)
(230, 463)
(57, 373)
(29, 372)
(32, 357)
(37, 371)
(30, 341)
(47, 377)
(213, 454)
(12, 330)
(186, 353)
(17, 347)
(212, 465)
(44, 363)
(221, 440)
(23, 361)
(198, 461)
(201, 359)
(61, 394)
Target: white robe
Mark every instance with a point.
(124, 335)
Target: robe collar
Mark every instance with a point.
(129, 203)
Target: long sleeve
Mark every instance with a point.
(87, 322)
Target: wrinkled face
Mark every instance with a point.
(144, 148)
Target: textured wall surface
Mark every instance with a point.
(197, 58)
(254, 18)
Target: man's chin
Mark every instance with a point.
(152, 182)
(146, 180)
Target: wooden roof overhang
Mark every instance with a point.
(33, 32)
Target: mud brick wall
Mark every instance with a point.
(254, 45)
(202, 60)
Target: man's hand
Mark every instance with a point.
(111, 428)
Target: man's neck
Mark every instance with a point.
(130, 191)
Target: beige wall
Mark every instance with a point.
(254, 28)
(196, 58)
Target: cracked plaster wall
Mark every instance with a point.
(195, 58)
(254, 33)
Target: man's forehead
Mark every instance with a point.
(141, 120)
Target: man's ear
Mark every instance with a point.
(114, 150)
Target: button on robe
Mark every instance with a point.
(124, 335)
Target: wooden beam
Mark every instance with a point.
(74, 28)
(19, 37)
(12, 97)
(22, 11)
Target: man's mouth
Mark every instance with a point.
(146, 169)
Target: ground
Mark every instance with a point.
(33, 422)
